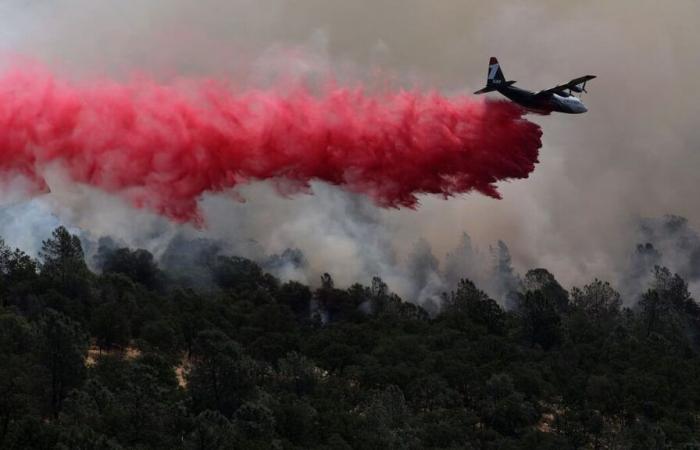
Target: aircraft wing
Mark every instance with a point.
(576, 85)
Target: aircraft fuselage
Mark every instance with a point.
(547, 103)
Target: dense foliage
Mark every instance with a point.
(133, 358)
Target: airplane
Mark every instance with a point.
(556, 99)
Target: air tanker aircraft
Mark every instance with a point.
(546, 101)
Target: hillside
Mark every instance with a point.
(131, 358)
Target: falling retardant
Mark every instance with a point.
(162, 146)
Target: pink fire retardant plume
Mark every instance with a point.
(162, 147)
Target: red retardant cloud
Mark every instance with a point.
(163, 146)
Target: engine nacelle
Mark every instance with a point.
(579, 87)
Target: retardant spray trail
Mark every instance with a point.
(163, 146)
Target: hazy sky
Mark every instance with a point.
(634, 154)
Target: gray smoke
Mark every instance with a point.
(667, 241)
(291, 264)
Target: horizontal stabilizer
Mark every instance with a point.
(485, 90)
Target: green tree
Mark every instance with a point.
(240, 274)
(598, 301)
(110, 326)
(18, 275)
(222, 377)
(18, 373)
(210, 431)
(138, 265)
(334, 304)
(540, 320)
(385, 421)
(63, 258)
(254, 421)
(161, 336)
(61, 346)
(667, 308)
(297, 296)
(64, 270)
(475, 306)
(543, 281)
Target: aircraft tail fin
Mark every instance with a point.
(495, 73)
(494, 78)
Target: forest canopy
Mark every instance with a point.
(131, 356)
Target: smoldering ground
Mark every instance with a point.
(633, 155)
